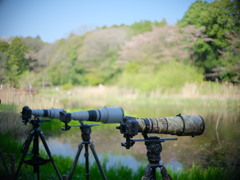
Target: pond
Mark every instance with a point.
(219, 145)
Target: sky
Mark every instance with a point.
(56, 19)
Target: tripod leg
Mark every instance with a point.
(49, 154)
(38, 175)
(24, 150)
(35, 152)
(86, 154)
(75, 160)
(4, 164)
(165, 175)
(154, 173)
(97, 161)
(148, 174)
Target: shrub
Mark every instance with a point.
(170, 76)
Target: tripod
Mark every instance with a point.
(86, 131)
(36, 160)
(154, 148)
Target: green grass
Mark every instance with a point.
(197, 173)
(7, 107)
(12, 146)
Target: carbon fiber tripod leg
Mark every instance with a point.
(86, 155)
(148, 174)
(4, 164)
(163, 170)
(80, 147)
(97, 161)
(49, 154)
(24, 150)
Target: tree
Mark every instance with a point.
(35, 44)
(3, 60)
(146, 26)
(230, 68)
(219, 19)
(3, 46)
(17, 62)
(150, 49)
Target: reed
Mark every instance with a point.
(215, 101)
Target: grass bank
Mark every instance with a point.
(11, 146)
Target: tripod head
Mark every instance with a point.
(147, 139)
(36, 121)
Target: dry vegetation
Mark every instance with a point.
(98, 96)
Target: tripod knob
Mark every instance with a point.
(66, 127)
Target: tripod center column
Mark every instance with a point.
(153, 150)
(86, 131)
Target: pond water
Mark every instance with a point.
(219, 145)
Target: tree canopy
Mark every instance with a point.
(221, 20)
(13, 60)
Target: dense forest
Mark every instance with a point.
(204, 45)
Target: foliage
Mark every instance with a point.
(155, 59)
(202, 174)
(29, 80)
(35, 44)
(67, 86)
(13, 60)
(161, 45)
(220, 18)
(13, 146)
(145, 26)
(204, 55)
(3, 61)
(206, 37)
(169, 76)
(87, 60)
(3, 46)
(230, 61)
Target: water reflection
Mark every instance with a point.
(113, 160)
(67, 150)
(219, 145)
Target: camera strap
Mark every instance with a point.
(167, 125)
(147, 124)
(179, 115)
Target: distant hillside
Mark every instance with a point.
(89, 59)
(115, 54)
(145, 55)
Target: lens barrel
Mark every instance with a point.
(104, 115)
(52, 113)
(181, 125)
